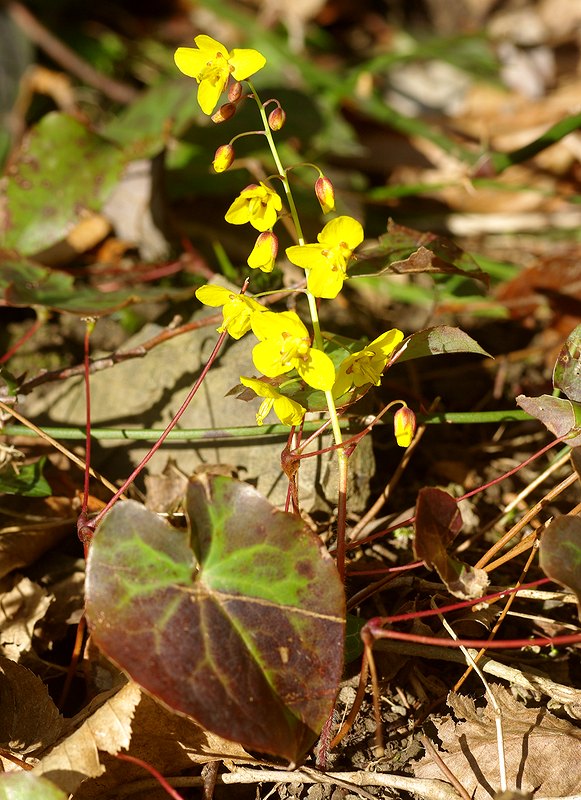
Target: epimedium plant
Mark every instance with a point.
(238, 621)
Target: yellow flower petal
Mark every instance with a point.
(210, 47)
(263, 255)
(190, 61)
(272, 324)
(306, 256)
(213, 295)
(342, 230)
(288, 411)
(317, 370)
(325, 282)
(245, 63)
(386, 343)
(267, 359)
(209, 92)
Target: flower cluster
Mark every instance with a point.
(285, 348)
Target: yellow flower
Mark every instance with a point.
(288, 411)
(257, 204)
(326, 263)
(404, 426)
(211, 65)
(367, 365)
(238, 308)
(264, 252)
(285, 344)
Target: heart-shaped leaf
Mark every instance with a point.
(246, 636)
(560, 553)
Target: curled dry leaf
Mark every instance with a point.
(22, 604)
(542, 751)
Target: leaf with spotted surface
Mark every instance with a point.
(238, 623)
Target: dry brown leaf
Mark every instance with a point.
(23, 542)
(22, 604)
(542, 752)
(30, 721)
(169, 742)
(107, 727)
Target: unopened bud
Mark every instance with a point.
(235, 92)
(276, 119)
(404, 426)
(223, 158)
(264, 252)
(325, 194)
(225, 111)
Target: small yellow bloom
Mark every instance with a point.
(366, 366)
(238, 308)
(288, 411)
(258, 204)
(263, 255)
(211, 65)
(404, 426)
(285, 344)
(326, 263)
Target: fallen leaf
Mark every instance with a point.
(106, 726)
(22, 604)
(560, 553)
(542, 752)
(30, 721)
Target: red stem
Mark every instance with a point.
(166, 432)
(17, 345)
(152, 770)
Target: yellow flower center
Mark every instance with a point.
(293, 348)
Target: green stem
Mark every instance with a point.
(318, 342)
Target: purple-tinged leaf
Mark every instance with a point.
(560, 553)
(246, 636)
(562, 417)
(437, 523)
(438, 341)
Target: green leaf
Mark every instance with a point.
(562, 417)
(61, 171)
(246, 637)
(560, 553)
(25, 786)
(567, 372)
(23, 282)
(157, 115)
(27, 480)
(438, 341)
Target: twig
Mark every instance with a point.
(67, 58)
(428, 789)
(57, 445)
(433, 753)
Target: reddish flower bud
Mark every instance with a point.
(264, 252)
(404, 426)
(276, 119)
(225, 111)
(325, 194)
(223, 157)
(235, 92)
